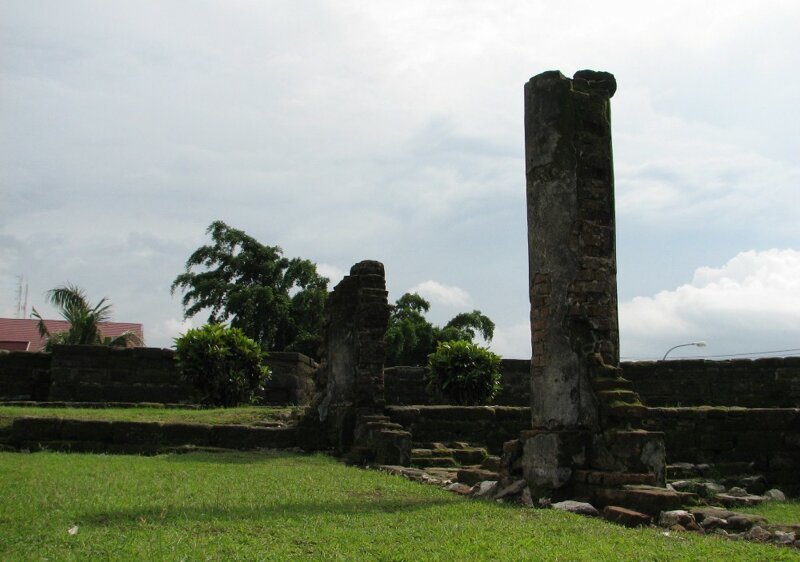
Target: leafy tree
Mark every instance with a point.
(84, 320)
(276, 301)
(464, 372)
(223, 364)
(410, 338)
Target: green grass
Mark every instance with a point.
(778, 513)
(281, 506)
(247, 415)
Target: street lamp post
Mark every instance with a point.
(694, 343)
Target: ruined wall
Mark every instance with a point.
(490, 426)
(759, 383)
(350, 377)
(24, 376)
(735, 440)
(406, 385)
(83, 373)
(292, 380)
(88, 373)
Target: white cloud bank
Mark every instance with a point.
(438, 293)
(750, 304)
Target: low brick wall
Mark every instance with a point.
(83, 373)
(751, 383)
(405, 386)
(141, 437)
(490, 426)
(767, 438)
(292, 380)
(24, 376)
(80, 373)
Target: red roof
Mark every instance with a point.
(22, 334)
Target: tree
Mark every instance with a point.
(84, 320)
(276, 301)
(410, 338)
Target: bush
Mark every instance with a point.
(223, 364)
(464, 372)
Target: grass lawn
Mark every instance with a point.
(281, 506)
(247, 415)
(778, 513)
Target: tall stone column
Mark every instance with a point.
(572, 261)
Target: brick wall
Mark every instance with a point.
(759, 383)
(105, 374)
(404, 386)
(766, 438)
(490, 426)
(750, 383)
(24, 376)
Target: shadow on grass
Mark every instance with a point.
(300, 511)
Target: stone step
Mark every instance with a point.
(428, 445)
(437, 462)
(473, 475)
(603, 383)
(618, 396)
(611, 479)
(645, 499)
(466, 456)
(493, 463)
(431, 453)
(374, 418)
(384, 425)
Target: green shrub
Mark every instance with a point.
(464, 372)
(223, 364)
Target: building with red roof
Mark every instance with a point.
(22, 334)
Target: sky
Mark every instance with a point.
(351, 130)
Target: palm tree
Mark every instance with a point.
(84, 320)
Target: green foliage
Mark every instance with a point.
(464, 372)
(410, 338)
(84, 320)
(276, 301)
(223, 364)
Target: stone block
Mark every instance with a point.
(550, 457)
(186, 434)
(626, 517)
(472, 476)
(136, 433)
(98, 431)
(31, 429)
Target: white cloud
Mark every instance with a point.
(512, 342)
(750, 304)
(438, 293)
(165, 331)
(333, 273)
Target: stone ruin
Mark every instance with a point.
(578, 394)
(347, 412)
(577, 389)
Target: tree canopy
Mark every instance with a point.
(276, 301)
(84, 320)
(410, 338)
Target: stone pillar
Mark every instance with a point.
(347, 413)
(572, 261)
(351, 372)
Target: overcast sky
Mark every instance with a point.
(347, 130)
